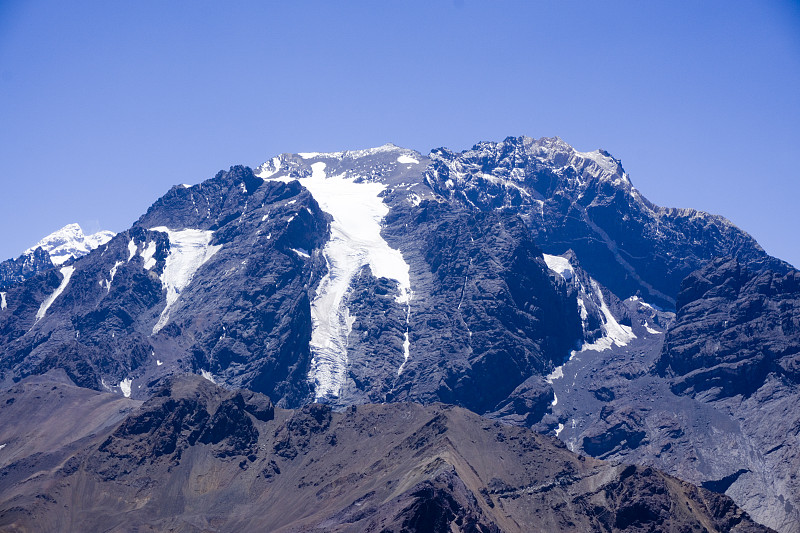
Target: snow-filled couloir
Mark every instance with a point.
(355, 242)
(189, 250)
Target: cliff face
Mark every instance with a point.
(733, 329)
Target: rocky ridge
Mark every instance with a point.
(196, 457)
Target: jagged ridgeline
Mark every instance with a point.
(524, 280)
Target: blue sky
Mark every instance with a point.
(105, 105)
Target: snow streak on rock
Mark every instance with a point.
(67, 273)
(3, 304)
(189, 249)
(111, 274)
(357, 210)
(614, 332)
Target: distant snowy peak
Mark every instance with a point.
(70, 242)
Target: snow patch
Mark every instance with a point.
(407, 160)
(301, 252)
(651, 330)
(189, 250)
(125, 387)
(3, 304)
(559, 429)
(147, 255)
(208, 375)
(2, 446)
(131, 249)
(158, 362)
(557, 373)
(66, 272)
(357, 210)
(271, 168)
(559, 265)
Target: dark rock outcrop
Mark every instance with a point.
(13, 271)
(733, 328)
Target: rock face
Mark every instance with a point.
(736, 346)
(585, 201)
(733, 328)
(194, 457)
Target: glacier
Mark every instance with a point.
(357, 210)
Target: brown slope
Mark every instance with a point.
(196, 457)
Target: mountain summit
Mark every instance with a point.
(70, 242)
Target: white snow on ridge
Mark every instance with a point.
(69, 242)
(131, 249)
(189, 250)
(603, 161)
(274, 165)
(208, 375)
(358, 154)
(67, 273)
(3, 304)
(357, 211)
(614, 332)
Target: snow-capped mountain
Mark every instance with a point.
(57, 248)
(70, 242)
(524, 280)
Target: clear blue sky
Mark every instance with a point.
(105, 105)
